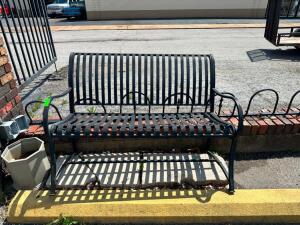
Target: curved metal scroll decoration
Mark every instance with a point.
(178, 102)
(291, 102)
(258, 92)
(134, 104)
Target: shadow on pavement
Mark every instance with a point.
(42, 199)
(266, 155)
(258, 55)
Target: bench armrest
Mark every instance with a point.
(47, 104)
(227, 95)
(31, 122)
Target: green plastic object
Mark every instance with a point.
(47, 101)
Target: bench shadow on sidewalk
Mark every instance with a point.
(119, 183)
(257, 55)
(42, 199)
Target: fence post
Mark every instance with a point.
(10, 100)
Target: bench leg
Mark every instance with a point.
(231, 164)
(208, 144)
(141, 170)
(53, 166)
(74, 145)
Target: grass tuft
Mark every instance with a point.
(62, 220)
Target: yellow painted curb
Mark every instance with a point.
(137, 206)
(165, 26)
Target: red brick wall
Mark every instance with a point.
(270, 125)
(10, 101)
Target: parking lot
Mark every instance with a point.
(245, 61)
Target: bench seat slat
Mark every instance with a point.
(142, 125)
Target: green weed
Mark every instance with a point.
(64, 221)
(92, 109)
(36, 106)
(64, 102)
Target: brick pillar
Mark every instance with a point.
(10, 101)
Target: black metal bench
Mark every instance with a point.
(163, 84)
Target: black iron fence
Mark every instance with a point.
(26, 31)
(292, 108)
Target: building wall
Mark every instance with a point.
(10, 101)
(147, 9)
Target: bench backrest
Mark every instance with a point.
(141, 79)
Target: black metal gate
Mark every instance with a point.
(26, 31)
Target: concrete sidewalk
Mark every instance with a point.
(66, 22)
(164, 26)
(62, 24)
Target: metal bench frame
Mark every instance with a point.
(288, 35)
(136, 67)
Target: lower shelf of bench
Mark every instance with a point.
(141, 175)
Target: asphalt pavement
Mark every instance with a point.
(268, 171)
(245, 61)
